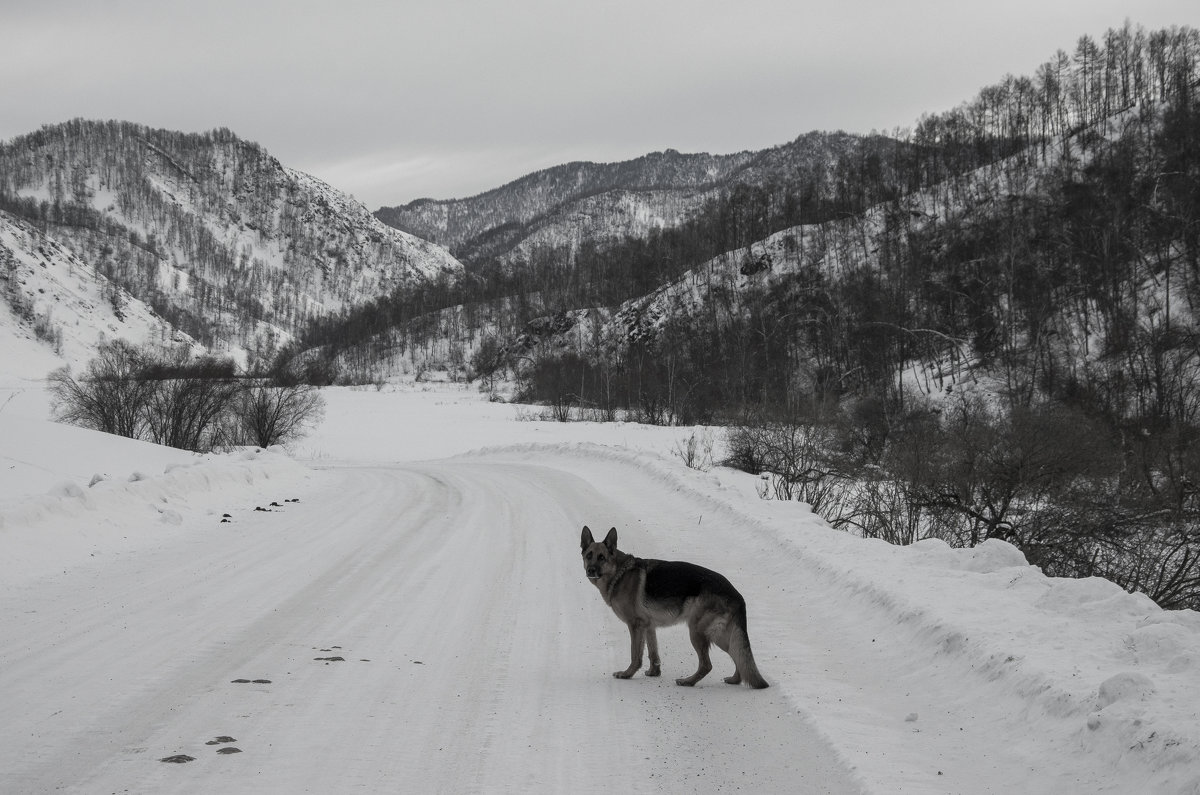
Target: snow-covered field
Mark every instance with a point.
(411, 616)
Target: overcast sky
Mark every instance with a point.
(399, 99)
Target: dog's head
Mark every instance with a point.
(599, 557)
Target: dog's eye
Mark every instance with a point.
(600, 559)
(588, 556)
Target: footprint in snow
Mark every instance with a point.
(334, 658)
(178, 759)
(222, 740)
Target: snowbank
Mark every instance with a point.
(70, 495)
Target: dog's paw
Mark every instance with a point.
(685, 683)
(654, 671)
(622, 674)
(733, 680)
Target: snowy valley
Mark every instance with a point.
(891, 386)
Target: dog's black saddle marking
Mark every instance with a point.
(670, 581)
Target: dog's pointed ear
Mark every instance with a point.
(610, 541)
(586, 540)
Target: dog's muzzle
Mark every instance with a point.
(592, 574)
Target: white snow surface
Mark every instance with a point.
(426, 540)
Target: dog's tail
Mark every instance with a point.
(739, 650)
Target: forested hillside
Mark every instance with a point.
(569, 207)
(1061, 206)
(216, 235)
(456, 221)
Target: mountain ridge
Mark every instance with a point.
(667, 185)
(224, 241)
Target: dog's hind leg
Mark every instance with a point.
(637, 639)
(700, 643)
(724, 642)
(743, 658)
(652, 647)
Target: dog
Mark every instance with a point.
(647, 594)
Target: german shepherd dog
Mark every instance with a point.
(647, 594)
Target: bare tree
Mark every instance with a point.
(275, 414)
(109, 396)
(190, 413)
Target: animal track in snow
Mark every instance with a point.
(223, 740)
(334, 657)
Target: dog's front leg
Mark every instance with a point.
(637, 639)
(652, 647)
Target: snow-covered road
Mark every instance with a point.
(434, 549)
(475, 656)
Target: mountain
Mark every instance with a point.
(48, 295)
(454, 222)
(224, 242)
(602, 203)
(1040, 238)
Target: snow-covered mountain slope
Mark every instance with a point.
(453, 222)
(567, 205)
(805, 264)
(55, 308)
(597, 220)
(221, 239)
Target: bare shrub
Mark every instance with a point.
(110, 395)
(172, 399)
(1093, 532)
(991, 469)
(799, 458)
(269, 415)
(696, 451)
(191, 401)
(876, 506)
(1164, 565)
